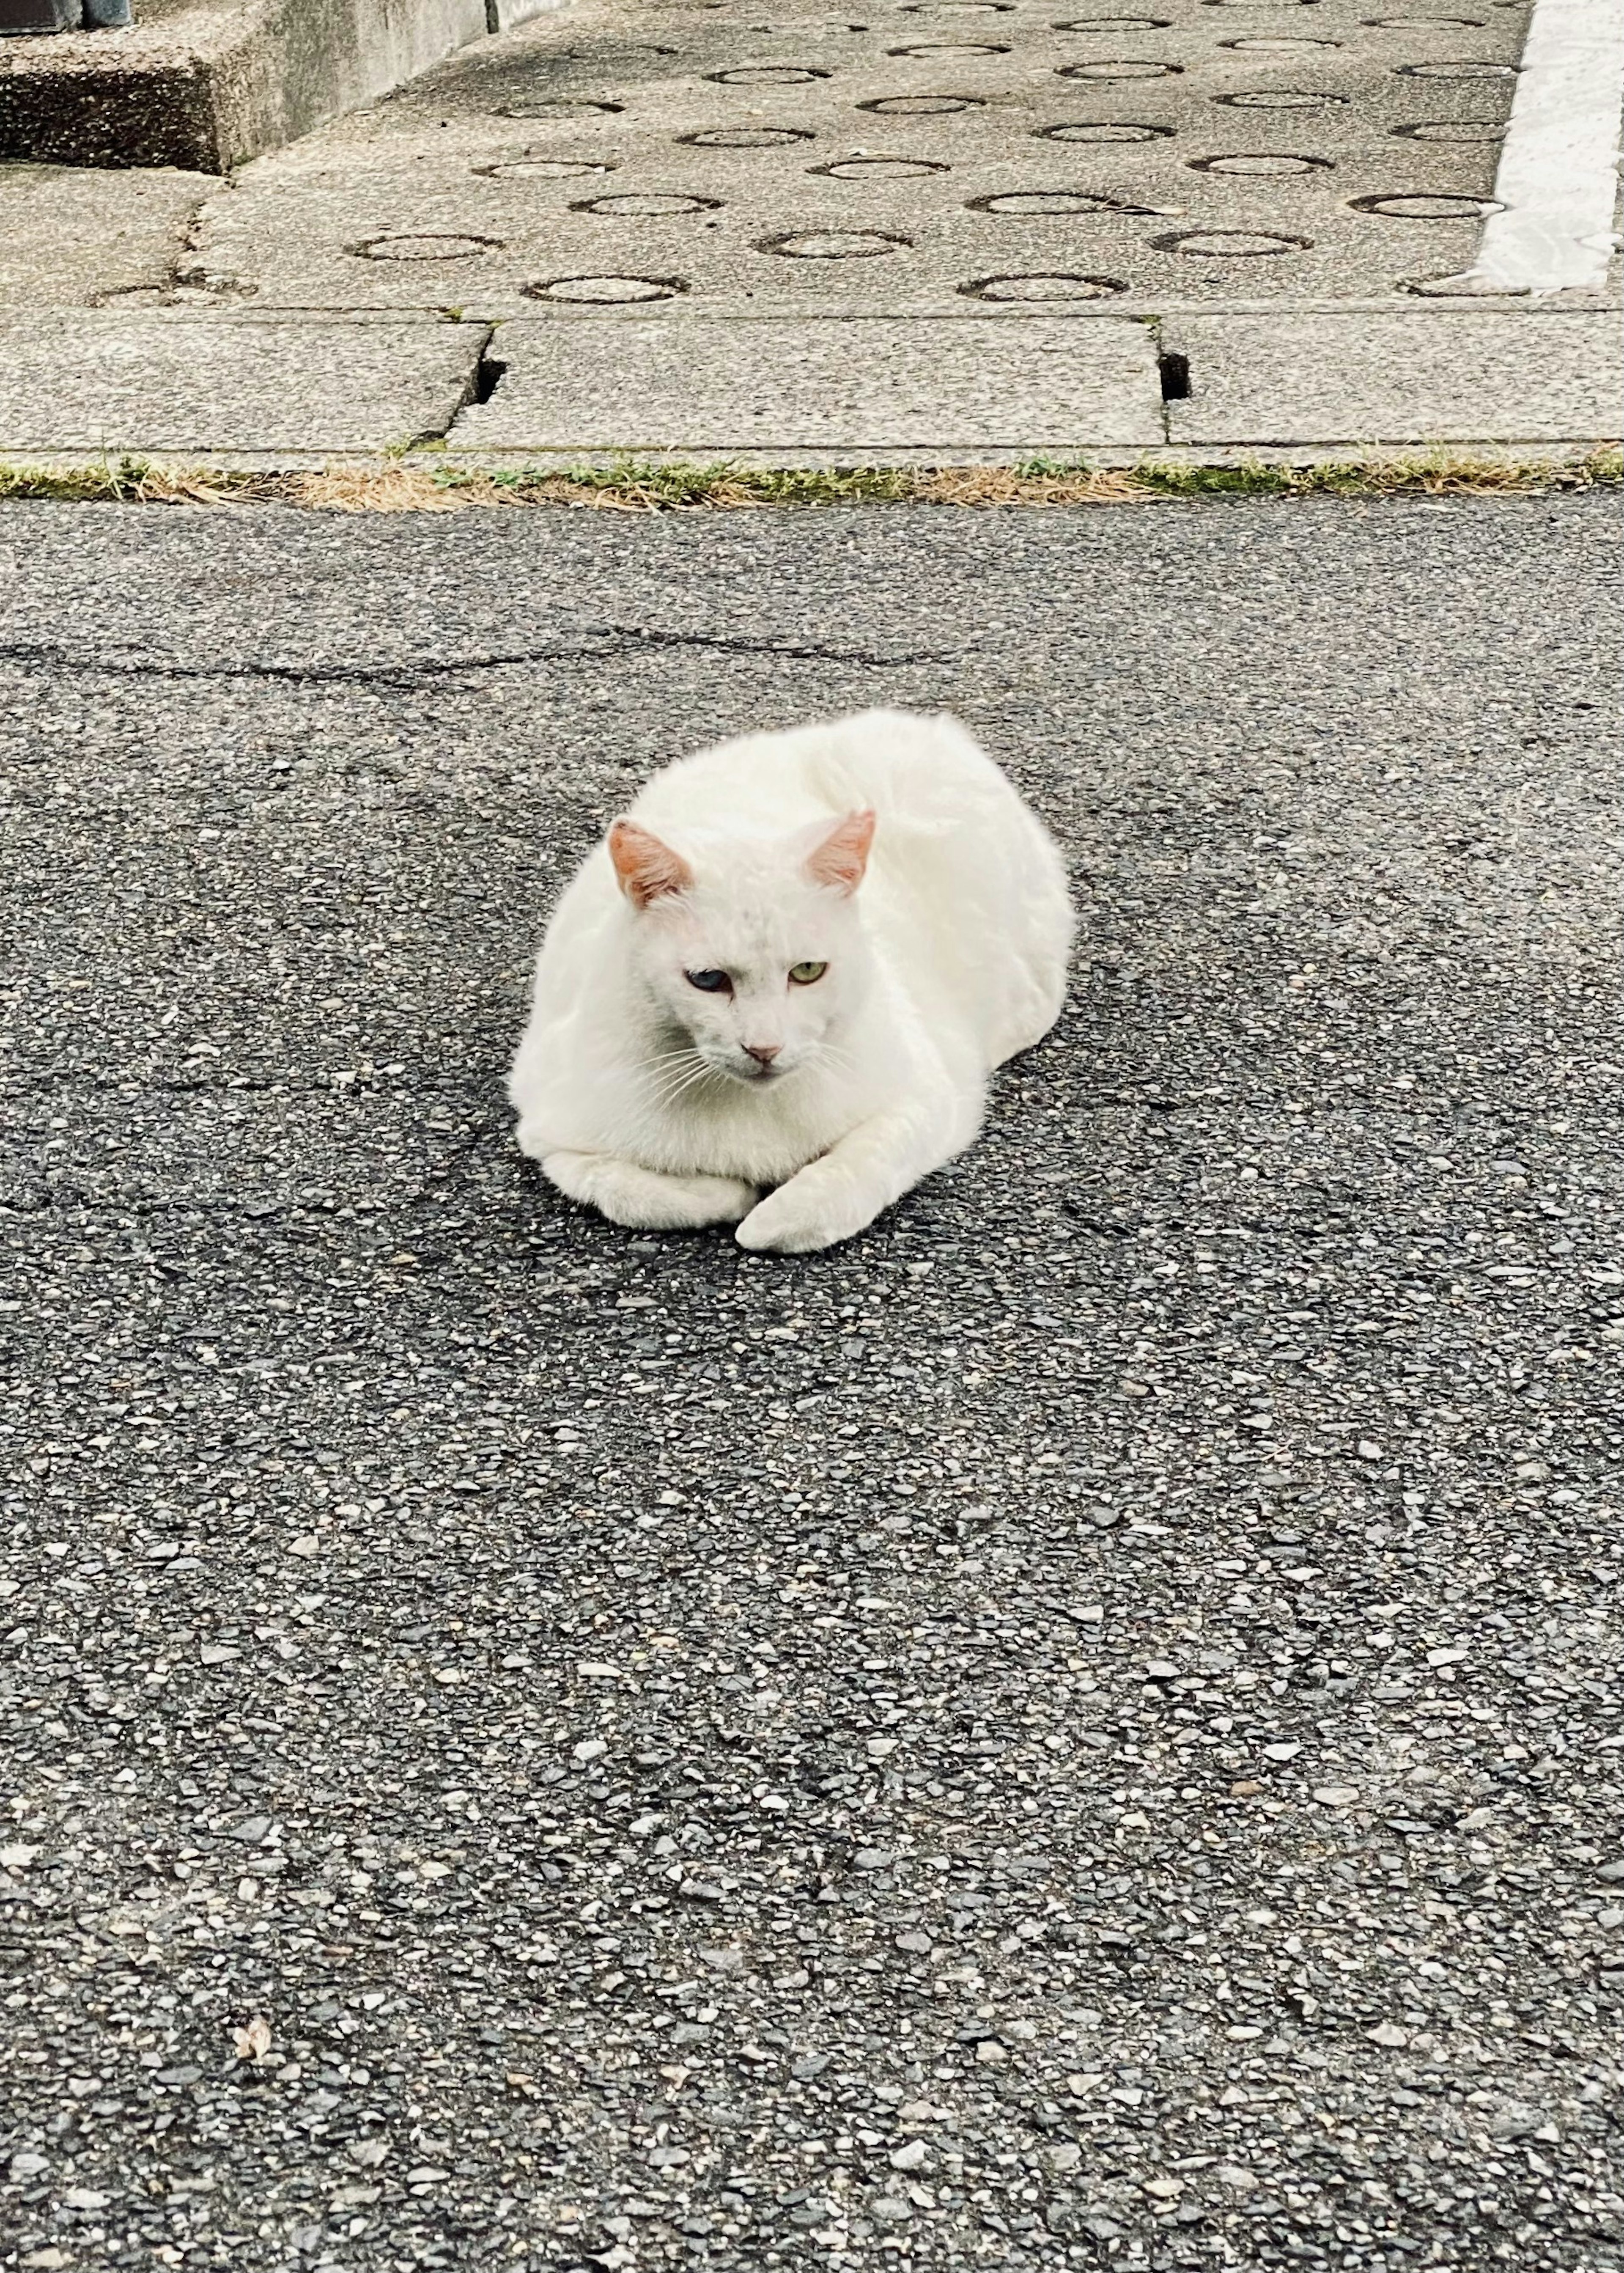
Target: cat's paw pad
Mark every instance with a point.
(787, 1222)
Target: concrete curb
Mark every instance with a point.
(212, 83)
(251, 388)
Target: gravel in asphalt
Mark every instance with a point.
(1079, 1728)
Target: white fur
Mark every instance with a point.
(636, 1091)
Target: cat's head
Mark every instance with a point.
(753, 946)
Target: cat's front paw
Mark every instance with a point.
(644, 1201)
(787, 1222)
(716, 1199)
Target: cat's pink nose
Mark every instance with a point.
(763, 1053)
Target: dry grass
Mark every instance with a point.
(645, 486)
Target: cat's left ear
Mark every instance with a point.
(841, 857)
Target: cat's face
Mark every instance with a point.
(755, 950)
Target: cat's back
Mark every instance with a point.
(928, 769)
(965, 894)
(972, 888)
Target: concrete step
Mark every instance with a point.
(207, 84)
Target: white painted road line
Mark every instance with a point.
(1558, 178)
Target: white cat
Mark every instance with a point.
(789, 971)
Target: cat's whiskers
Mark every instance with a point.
(681, 1053)
(669, 1086)
(833, 1057)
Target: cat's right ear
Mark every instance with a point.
(840, 858)
(647, 869)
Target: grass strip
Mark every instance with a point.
(638, 485)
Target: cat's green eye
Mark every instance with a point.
(806, 974)
(709, 982)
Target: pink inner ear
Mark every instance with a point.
(843, 857)
(647, 869)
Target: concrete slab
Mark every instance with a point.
(78, 382)
(875, 388)
(71, 234)
(901, 160)
(1408, 377)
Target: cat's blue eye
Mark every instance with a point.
(709, 982)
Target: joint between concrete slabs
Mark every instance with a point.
(499, 313)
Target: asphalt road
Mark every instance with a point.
(1081, 1729)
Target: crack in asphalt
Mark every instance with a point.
(594, 639)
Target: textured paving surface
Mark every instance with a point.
(1081, 1728)
(897, 158)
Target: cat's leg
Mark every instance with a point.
(642, 1198)
(872, 1165)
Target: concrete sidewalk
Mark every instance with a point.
(954, 229)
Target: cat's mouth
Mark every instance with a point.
(748, 1072)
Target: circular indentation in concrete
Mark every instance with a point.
(950, 48)
(1103, 129)
(1463, 288)
(1469, 68)
(1231, 243)
(1110, 23)
(834, 245)
(1259, 165)
(606, 290)
(767, 75)
(1470, 131)
(921, 106)
(180, 295)
(426, 245)
(1262, 44)
(133, 296)
(1121, 67)
(1282, 98)
(1045, 287)
(880, 169)
(1425, 204)
(559, 106)
(545, 169)
(957, 8)
(646, 205)
(1049, 201)
(1424, 23)
(747, 138)
(615, 51)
